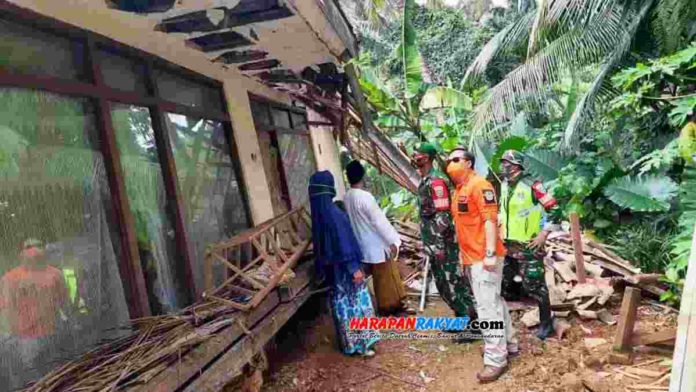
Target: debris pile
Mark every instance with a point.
(136, 359)
(411, 253)
(606, 273)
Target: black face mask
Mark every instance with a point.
(511, 172)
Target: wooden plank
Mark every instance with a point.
(279, 275)
(577, 247)
(643, 279)
(239, 272)
(684, 359)
(225, 369)
(654, 338)
(627, 319)
(564, 270)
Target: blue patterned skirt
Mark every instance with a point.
(347, 301)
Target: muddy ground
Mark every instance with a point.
(304, 357)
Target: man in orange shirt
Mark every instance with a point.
(475, 211)
(31, 298)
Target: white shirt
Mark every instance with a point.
(372, 228)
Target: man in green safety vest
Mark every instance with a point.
(525, 225)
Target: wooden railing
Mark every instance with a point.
(257, 260)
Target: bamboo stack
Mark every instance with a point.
(134, 360)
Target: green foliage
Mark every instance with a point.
(444, 97)
(644, 194)
(448, 41)
(662, 85)
(560, 38)
(516, 143)
(544, 164)
(409, 54)
(686, 143)
(645, 243)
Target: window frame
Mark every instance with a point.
(274, 130)
(94, 88)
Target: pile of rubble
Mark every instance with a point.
(606, 273)
(411, 253)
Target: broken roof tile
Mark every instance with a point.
(246, 12)
(219, 41)
(259, 65)
(241, 56)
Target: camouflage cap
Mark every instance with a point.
(427, 149)
(514, 157)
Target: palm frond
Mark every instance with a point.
(537, 26)
(512, 36)
(670, 21)
(585, 106)
(562, 15)
(579, 47)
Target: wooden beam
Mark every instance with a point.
(643, 279)
(577, 247)
(684, 361)
(660, 337)
(627, 319)
(400, 160)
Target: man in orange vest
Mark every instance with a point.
(481, 252)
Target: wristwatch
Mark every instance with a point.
(490, 253)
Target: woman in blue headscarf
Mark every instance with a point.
(338, 259)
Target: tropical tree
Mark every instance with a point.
(561, 36)
(405, 105)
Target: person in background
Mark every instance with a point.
(475, 211)
(438, 234)
(379, 243)
(338, 258)
(33, 296)
(524, 204)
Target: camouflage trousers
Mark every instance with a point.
(454, 287)
(522, 262)
(532, 287)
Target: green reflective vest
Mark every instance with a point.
(70, 278)
(520, 217)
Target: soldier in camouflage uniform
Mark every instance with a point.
(437, 231)
(525, 223)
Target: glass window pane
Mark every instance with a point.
(60, 289)
(281, 118)
(181, 90)
(26, 50)
(298, 161)
(299, 121)
(121, 73)
(149, 205)
(260, 113)
(209, 187)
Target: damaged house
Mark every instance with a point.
(135, 136)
